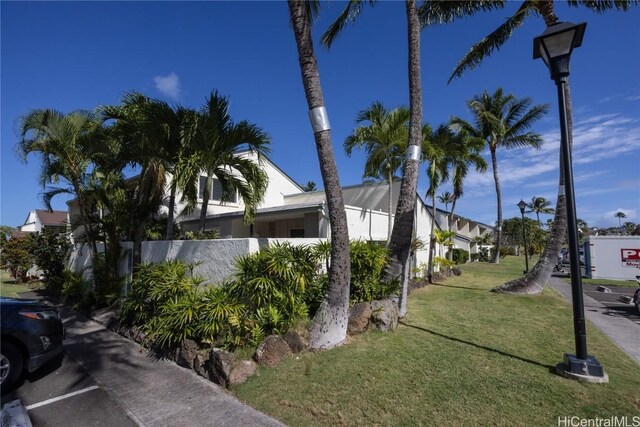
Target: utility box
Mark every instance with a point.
(612, 257)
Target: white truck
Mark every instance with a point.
(612, 257)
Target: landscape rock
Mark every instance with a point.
(187, 353)
(384, 315)
(219, 367)
(243, 370)
(359, 316)
(456, 271)
(295, 341)
(201, 363)
(272, 351)
(137, 335)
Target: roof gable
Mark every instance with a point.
(52, 218)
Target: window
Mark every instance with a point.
(216, 191)
(296, 232)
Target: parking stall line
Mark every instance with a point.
(64, 396)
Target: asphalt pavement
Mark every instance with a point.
(614, 318)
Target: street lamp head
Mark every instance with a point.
(522, 205)
(555, 45)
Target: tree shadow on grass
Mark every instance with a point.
(482, 347)
(458, 287)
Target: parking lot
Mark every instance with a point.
(63, 394)
(612, 301)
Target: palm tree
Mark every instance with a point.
(620, 215)
(310, 186)
(465, 153)
(540, 205)
(400, 242)
(215, 141)
(329, 325)
(432, 12)
(65, 144)
(446, 198)
(437, 152)
(384, 139)
(502, 121)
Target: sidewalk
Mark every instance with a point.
(622, 331)
(152, 392)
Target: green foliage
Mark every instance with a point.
(49, 252)
(443, 262)
(205, 235)
(77, 292)
(15, 257)
(459, 256)
(368, 261)
(512, 234)
(156, 228)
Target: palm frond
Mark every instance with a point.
(349, 14)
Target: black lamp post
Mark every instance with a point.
(522, 205)
(554, 46)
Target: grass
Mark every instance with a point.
(608, 282)
(462, 355)
(9, 288)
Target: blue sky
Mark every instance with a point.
(77, 55)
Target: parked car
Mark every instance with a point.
(32, 335)
(566, 256)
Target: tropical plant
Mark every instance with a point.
(368, 261)
(502, 121)
(433, 12)
(329, 326)
(66, 145)
(620, 215)
(446, 198)
(629, 227)
(309, 186)
(384, 139)
(459, 255)
(215, 141)
(444, 238)
(540, 205)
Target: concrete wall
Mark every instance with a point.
(367, 224)
(80, 259)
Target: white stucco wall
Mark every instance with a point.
(80, 259)
(366, 224)
(32, 223)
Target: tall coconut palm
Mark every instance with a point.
(400, 242)
(329, 325)
(502, 121)
(437, 152)
(465, 153)
(446, 198)
(620, 215)
(537, 277)
(384, 139)
(540, 205)
(215, 141)
(65, 144)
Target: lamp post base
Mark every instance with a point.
(586, 370)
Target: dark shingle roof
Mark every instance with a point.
(52, 218)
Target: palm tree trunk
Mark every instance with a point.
(496, 253)
(432, 241)
(329, 326)
(205, 204)
(453, 208)
(400, 243)
(172, 206)
(390, 224)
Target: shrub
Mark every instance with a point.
(443, 262)
(77, 292)
(368, 261)
(459, 256)
(15, 257)
(49, 251)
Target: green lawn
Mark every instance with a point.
(9, 288)
(463, 355)
(607, 282)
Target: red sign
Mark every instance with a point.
(630, 258)
(629, 254)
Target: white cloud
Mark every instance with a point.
(168, 85)
(608, 220)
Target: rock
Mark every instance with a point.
(295, 341)
(359, 316)
(219, 366)
(137, 335)
(272, 351)
(456, 271)
(604, 289)
(384, 314)
(187, 353)
(242, 371)
(201, 363)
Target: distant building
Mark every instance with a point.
(39, 220)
